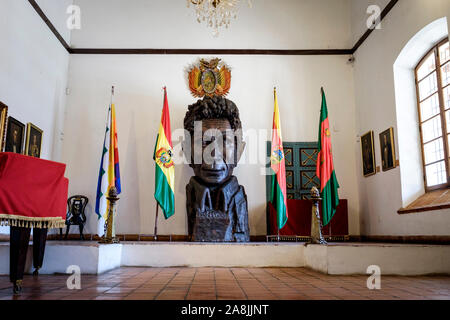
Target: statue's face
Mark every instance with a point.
(219, 152)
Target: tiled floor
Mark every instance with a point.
(228, 284)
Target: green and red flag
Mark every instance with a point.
(165, 170)
(325, 168)
(278, 196)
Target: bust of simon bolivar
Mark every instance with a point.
(216, 204)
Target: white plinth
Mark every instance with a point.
(91, 257)
(393, 259)
(336, 258)
(188, 254)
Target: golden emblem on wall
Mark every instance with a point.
(210, 78)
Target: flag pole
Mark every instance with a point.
(155, 234)
(107, 222)
(155, 237)
(278, 226)
(112, 94)
(110, 108)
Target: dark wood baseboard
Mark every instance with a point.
(142, 237)
(436, 240)
(124, 237)
(441, 240)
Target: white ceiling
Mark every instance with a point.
(280, 24)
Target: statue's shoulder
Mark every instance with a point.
(192, 183)
(195, 188)
(190, 187)
(240, 194)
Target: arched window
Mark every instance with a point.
(433, 96)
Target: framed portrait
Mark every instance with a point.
(15, 132)
(3, 118)
(368, 154)
(387, 146)
(34, 141)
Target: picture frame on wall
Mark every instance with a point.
(33, 143)
(387, 148)
(368, 154)
(3, 123)
(15, 132)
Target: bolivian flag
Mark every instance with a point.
(109, 175)
(278, 196)
(165, 171)
(325, 169)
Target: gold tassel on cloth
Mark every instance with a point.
(28, 222)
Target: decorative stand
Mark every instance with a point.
(110, 236)
(316, 223)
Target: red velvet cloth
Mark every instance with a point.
(33, 192)
(299, 222)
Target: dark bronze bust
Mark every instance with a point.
(216, 203)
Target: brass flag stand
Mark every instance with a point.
(316, 223)
(110, 236)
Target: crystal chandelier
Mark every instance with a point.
(216, 13)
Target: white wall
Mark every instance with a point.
(33, 68)
(33, 72)
(287, 24)
(139, 81)
(380, 195)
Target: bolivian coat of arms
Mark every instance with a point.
(210, 78)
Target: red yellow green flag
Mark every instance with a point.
(325, 169)
(165, 170)
(278, 196)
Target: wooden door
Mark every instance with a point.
(300, 161)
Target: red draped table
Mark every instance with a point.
(33, 195)
(299, 222)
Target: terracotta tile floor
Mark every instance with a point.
(226, 284)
